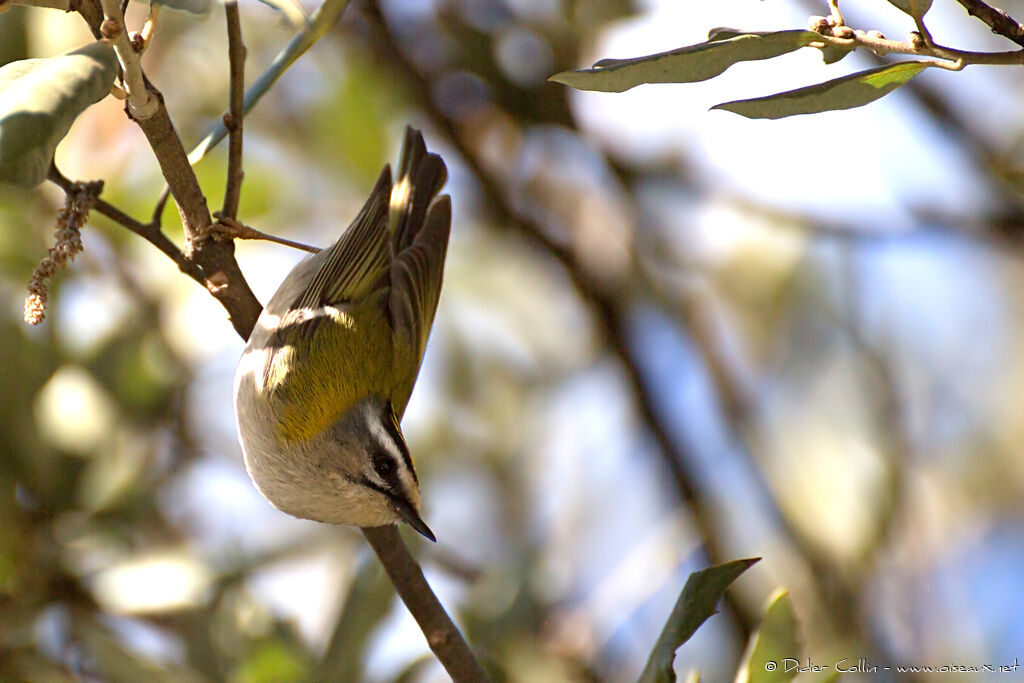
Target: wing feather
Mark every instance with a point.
(379, 283)
(353, 265)
(416, 276)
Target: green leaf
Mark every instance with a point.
(686, 64)
(695, 604)
(725, 33)
(774, 642)
(324, 18)
(915, 8)
(847, 92)
(831, 54)
(40, 99)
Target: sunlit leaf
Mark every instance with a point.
(915, 8)
(686, 64)
(847, 92)
(773, 645)
(695, 604)
(725, 33)
(40, 99)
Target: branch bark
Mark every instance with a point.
(148, 231)
(444, 638)
(141, 104)
(216, 258)
(996, 19)
(233, 119)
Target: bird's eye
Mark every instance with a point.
(383, 465)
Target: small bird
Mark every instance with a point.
(331, 363)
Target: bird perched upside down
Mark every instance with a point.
(330, 366)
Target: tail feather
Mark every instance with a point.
(420, 177)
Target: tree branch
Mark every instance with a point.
(951, 58)
(443, 636)
(216, 258)
(141, 104)
(147, 231)
(996, 19)
(233, 119)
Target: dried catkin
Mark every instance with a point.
(68, 243)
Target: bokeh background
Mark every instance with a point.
(667, 337)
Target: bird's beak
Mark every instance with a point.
(412, 518)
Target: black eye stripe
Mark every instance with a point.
(391, 425)
(376, 487)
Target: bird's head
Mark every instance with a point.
(357, 471)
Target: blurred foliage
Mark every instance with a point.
(841, 396)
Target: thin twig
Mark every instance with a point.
(147, 231)
(999, 21)
(442, 635)
(141, 103)
(319, 24)
(222, 277)
(1007, 211)
(161, 204)
(321, 21)
(233, 119)
(959, 58)
(236, 230)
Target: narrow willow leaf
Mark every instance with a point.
(291, 10)
(324, 18)
(831, 54)
(686, 64)
(847, 92)
(773, 645)
(40, 99)
(725, 33)
(695, 604)
(915, 8)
